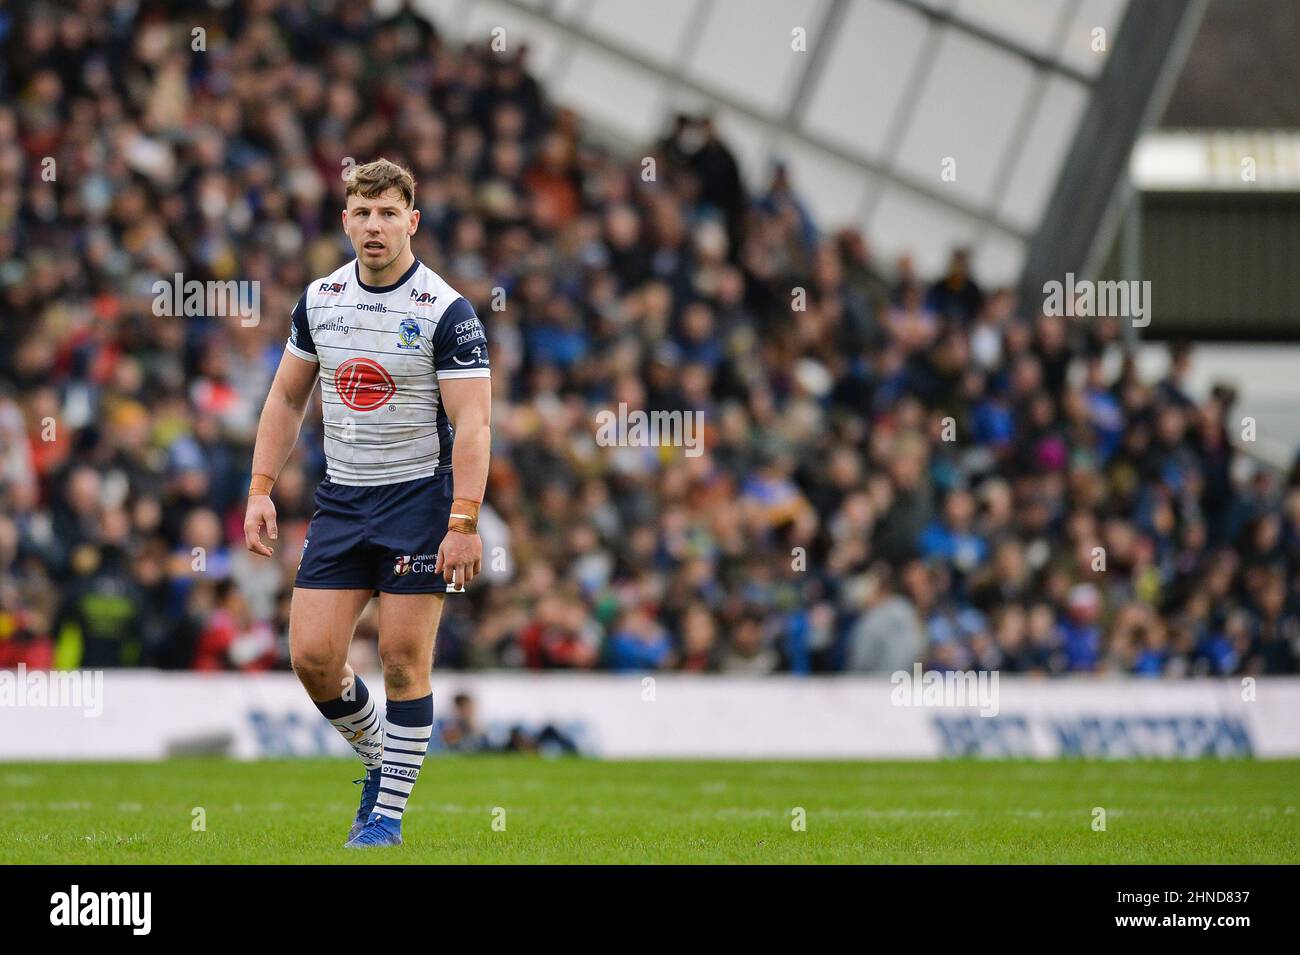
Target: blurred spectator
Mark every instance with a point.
(460, 731)
(886, 636)
(231, 640)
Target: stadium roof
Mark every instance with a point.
(866, 111)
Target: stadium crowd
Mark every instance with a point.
(896, 468)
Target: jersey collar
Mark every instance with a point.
(380, 289)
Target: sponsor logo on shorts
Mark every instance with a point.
(414, 564)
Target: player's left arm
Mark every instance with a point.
(469, 407)
(462, 365)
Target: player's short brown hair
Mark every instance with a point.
(375, 178)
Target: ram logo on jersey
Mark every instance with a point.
(387, 349)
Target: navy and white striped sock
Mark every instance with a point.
(359, 722)
(406, 738)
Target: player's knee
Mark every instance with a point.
(400, 675)
(314, 666)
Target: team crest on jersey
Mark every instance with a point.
(408, 334)
(402, 566)
(363, 384)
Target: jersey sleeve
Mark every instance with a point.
(460, 344)
(300, 342)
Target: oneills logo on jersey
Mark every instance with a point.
(363, 384)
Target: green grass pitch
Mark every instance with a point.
(576, 810)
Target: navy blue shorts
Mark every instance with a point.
(384, 537)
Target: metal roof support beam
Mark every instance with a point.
(1085, 210)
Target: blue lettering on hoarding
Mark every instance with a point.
(1152, 736)
(1091, 736)
(984, 736)
(289, 734)
(293, 734)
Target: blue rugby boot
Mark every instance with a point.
(369, 794)
(379, 831)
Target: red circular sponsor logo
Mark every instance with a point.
(363, 384)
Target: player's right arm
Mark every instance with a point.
(277, 431)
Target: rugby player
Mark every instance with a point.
(403, 367)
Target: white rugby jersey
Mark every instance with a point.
(382, 351)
